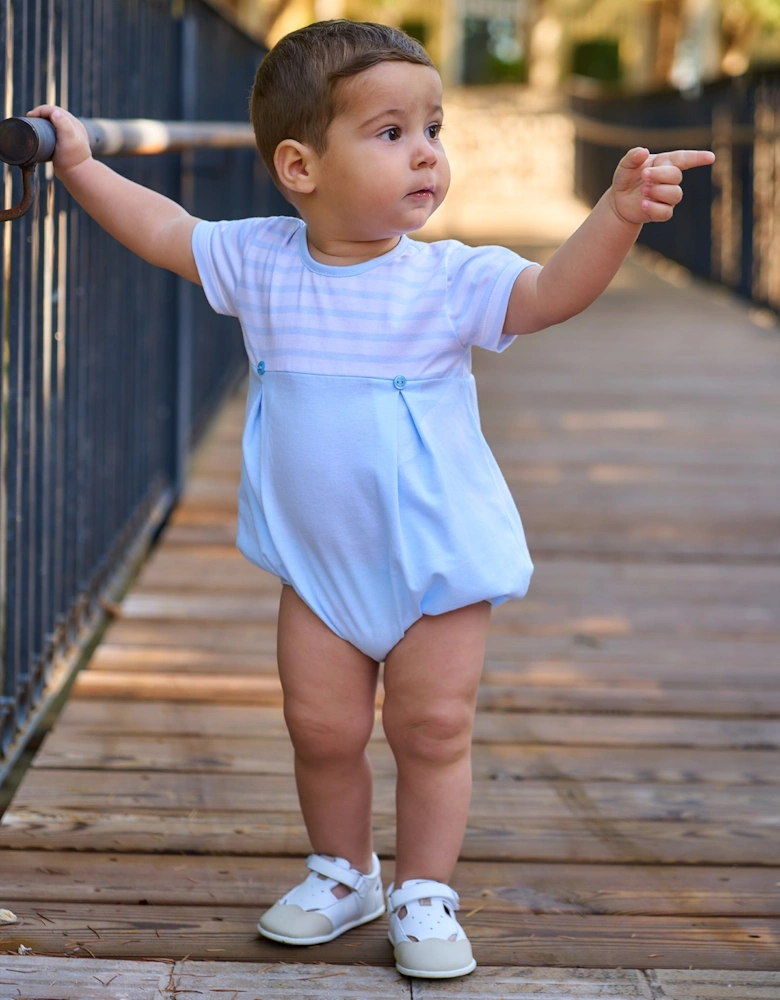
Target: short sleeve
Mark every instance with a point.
(479, 283)
(219, 249)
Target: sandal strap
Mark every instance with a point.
(347, 876)
(424, 890)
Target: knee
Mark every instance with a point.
(439, 735)
(320, 739)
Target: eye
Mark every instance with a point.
(393, 133)
(433, 131)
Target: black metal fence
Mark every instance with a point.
(111, 368)
(727, 227)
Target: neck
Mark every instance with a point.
(344, 252)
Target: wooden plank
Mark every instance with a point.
(565, 531)
(41, 977)
(682, 984)
(557, 581)
(255, 637)
(76, 751)
(218, 980)
(185, 660)
(499, 938)
(203, 529)
(631, 697)
(214, 607)
(519, 667)
(527, 983)
(640, 697)
(204, 568)
(670, 890)
(182, 718)
(668, 487)
(566, 729)
(491, 800)
(178, 687)
(634, 697)
(646, 605)
(536, 441)
(44, 978)
(487, 982)
(204, 658)
(562, 658)
(562, 673)
(544, 839)
(159, 718)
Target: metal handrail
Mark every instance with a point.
(145, 137)
(681, 136)
(25, 142)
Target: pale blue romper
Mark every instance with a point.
(366, 483)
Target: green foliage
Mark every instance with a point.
(765, 13)
(501, 71)
(598, 58)
(417, 29)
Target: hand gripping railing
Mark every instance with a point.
(26, 142)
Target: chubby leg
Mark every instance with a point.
(431, 680)
(329, 694)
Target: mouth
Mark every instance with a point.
(421, 193)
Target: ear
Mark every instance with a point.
(296, 166)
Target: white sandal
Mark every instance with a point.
(311, 914)
(427, 940)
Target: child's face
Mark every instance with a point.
(384, 171)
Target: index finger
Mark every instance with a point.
(685, 158)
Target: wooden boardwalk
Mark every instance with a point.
(624, 838)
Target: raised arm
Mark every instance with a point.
(148, 223)
(645, 188)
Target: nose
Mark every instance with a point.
(424, 153)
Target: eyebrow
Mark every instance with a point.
(391, 112)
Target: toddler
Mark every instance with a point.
(366, 484)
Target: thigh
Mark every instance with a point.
(437, 665)
(325, 679)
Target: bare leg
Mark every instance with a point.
(431, 680)
(329, 693)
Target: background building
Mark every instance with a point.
(641, 45)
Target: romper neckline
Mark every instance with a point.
(345, 270)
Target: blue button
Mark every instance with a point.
(260, 367)
(399, 381)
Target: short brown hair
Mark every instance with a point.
(294, 93)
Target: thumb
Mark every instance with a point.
(634, 158)
(627, 171)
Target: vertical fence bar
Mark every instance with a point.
(7, 666)
(188, 40)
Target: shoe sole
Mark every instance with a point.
(325, 937)
(439, 974)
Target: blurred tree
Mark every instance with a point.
(597, 58)
(742, 22)
(670, 21)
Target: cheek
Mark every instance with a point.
(444, 174)
(379, 167)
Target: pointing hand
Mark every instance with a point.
(646, 186)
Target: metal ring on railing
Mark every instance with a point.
(25, 142)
